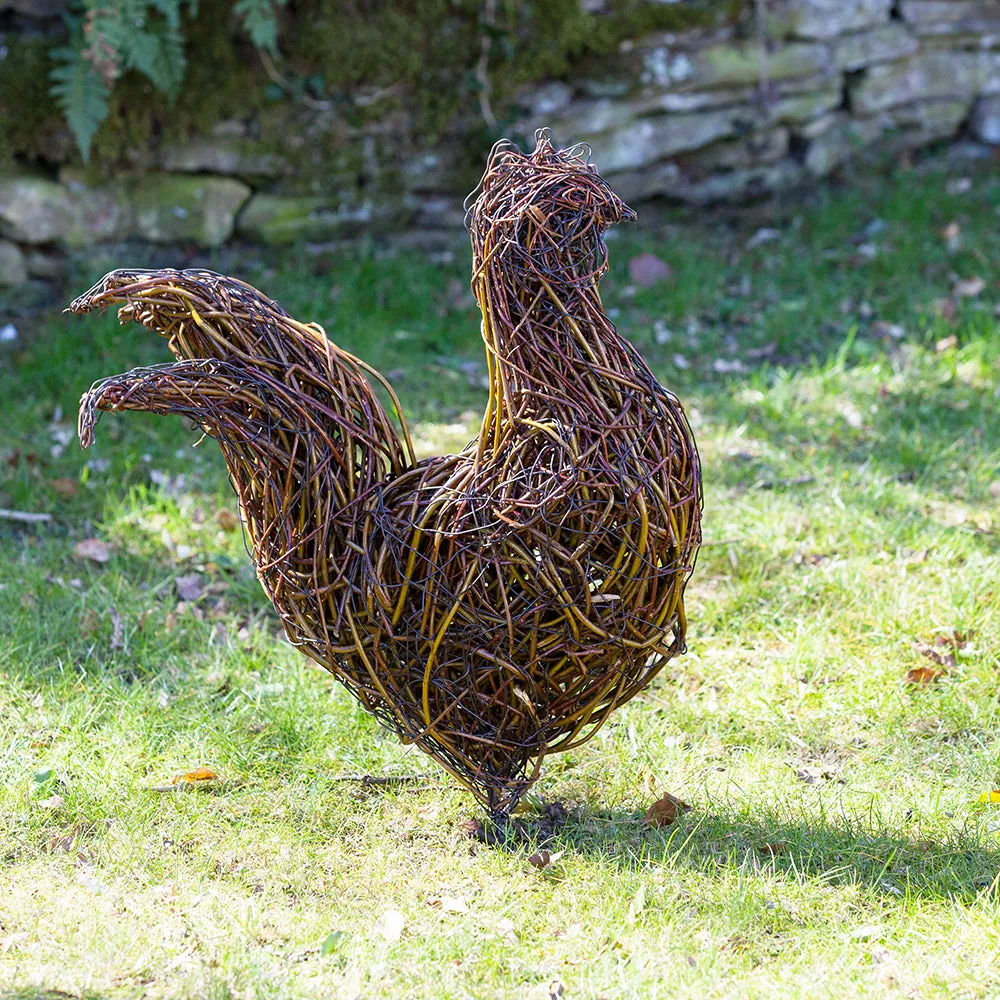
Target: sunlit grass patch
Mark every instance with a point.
(834, 846)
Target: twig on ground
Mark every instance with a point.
(25, 516)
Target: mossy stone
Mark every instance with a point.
(283, 219)
(170, 208)
(34, 209)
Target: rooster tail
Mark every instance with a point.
(302, 488)
(206, 316)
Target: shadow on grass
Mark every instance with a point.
(810, 849)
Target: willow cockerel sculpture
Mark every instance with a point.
(492, 606)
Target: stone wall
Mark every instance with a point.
(701, 117)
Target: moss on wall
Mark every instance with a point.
(419, 56)
(423, 54)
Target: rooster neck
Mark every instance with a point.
(552, 352)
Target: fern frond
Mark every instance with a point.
(169, 62)
(81, 95)
(260, 20)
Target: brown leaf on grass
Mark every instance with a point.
(93, 549)
(448, 904)
(64, 487)
(646, 269)
(812, 774)
(946, 344)
(28, 601)
(199, 774)
(953, 639)
(969, 288)
(228, 521)
(665, 810)
(923, 675)
(542, 859)
(189, 587)
(946, 660)
(995, 490)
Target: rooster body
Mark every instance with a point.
(491, 606)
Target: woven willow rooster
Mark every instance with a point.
(492, 606)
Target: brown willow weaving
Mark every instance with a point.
(492, 606)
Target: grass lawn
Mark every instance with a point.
(845, 401)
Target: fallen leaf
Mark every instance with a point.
(64, 487)
(995, 490)
(969, 288)
(448, 904)
(389, 925)
(665, 810)
(93, 549)
(52, 802)
(946, 344)
(812, 774)
(200, 773)
(945, 660)
(542, 859)
(28, 600)
(646, 269)
(954, 639)
(923, 675)
(228, 521)
(189, 587)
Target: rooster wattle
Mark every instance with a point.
(491, 606)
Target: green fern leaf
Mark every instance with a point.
(81, 95)
(169, 63)
(260, 20)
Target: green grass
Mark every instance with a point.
(834, 846)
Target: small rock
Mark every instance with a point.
(969, 288)
(190, 586)
(13, 264)
(93, 549)
(646, 269)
